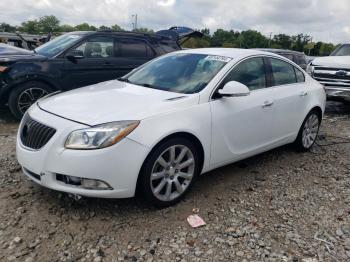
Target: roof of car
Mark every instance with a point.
(228, 52)
(129, 33)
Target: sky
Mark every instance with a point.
(324, 20)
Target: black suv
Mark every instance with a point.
(78, 59)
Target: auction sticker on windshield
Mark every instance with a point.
(218, 58)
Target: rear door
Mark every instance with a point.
(130, 53)
(290, 98)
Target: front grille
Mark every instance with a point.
(332, 76)
(33, 134)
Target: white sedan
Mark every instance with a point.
(162, 125)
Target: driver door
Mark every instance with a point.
(95, 65)
(241, 126)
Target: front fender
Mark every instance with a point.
(10, 85)
(195, 120)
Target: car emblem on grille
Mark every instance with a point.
(341, 73)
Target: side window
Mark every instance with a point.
(129, 47)
(289, 56)
(250, 72)
(97, 47)
(283, 72)
(300, 75)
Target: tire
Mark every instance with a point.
(26, 94)
(308, 131)
(173, 175)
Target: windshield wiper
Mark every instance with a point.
(121, 79)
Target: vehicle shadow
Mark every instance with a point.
(6, 116)
(337, 108)
(221, 183)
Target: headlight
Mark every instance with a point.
(100, 136)
(310, 69)
(2, 69)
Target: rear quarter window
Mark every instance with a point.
(300, 75)
(128, 47)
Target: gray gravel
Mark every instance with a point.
(278, 206)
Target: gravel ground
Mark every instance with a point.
(277, 206)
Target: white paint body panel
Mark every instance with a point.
(229, 129)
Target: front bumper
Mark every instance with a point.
(118, 165)
(338, 93)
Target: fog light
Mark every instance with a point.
(94, 184)
(86, 183)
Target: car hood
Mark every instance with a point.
(114, 101)
(10, 53)
(333, 61)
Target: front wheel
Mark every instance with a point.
(170, 171)
(23, 96)
(308, 132)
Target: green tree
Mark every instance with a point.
(282, 41)
(300, 41)
(5, 27)
(103, 27)
(85, 27)
(253, 39)
(30, 26)
(116, 28)
(221, 36)
(48, 23)
(327, 48)
(143, 30)
(66, 28)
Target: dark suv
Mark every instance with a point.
(79, 59)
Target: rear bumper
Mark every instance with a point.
(338, 93)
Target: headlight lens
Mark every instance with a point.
(2, 69)
(100, 136)
(310, 69)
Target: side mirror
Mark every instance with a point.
(75, 55)
(234, 89)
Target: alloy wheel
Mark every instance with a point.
(310, 131)
(172, 172)
(29, 97)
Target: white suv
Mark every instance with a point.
(334, 73)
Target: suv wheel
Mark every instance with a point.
(170, 171)
(23, 96)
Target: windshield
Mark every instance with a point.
(343, 50)
(57, 45)
(180, 73)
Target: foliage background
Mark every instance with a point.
(220, 38)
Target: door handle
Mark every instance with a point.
(304, 93)
(107, 64)
(267, 104)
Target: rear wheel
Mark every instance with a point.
(24, 95)
(308, 132)
(170, 171)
